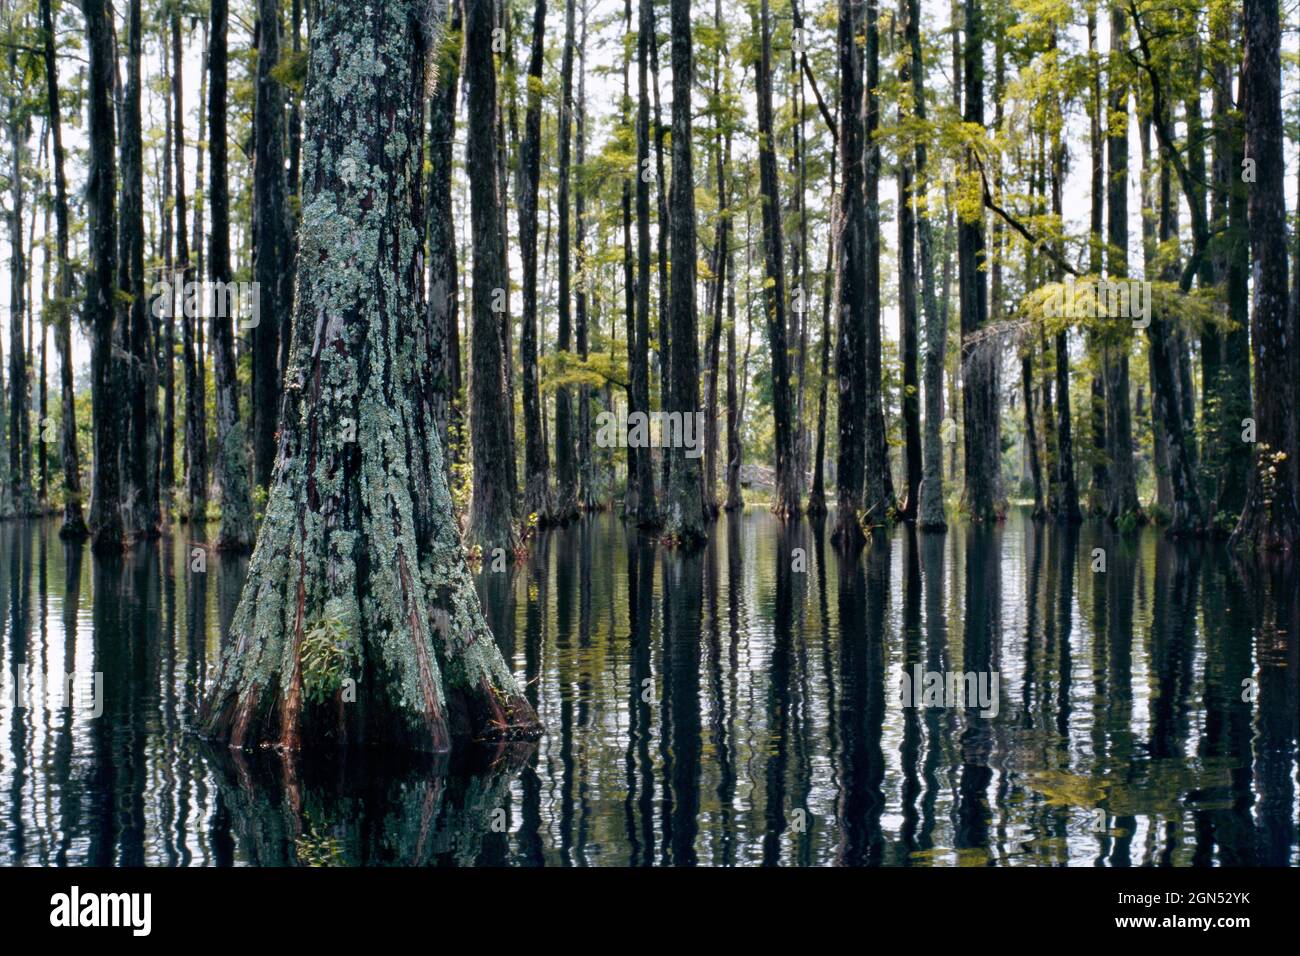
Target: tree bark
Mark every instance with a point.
(566, 490)
(721, 252)
(1066, 499)
(142, 501)
(195, 413)
(108, 533)
(271, 263)
(850, 285)
(786, 495)
(877, 485)
(1226, 473)
(930, 513)
(20, 502)
(640, 505)
(1186, 519)
(980, 354)
(582, 308)
(1269, 520)
(1122, 502)
(909, 317)
(491, 516)
(444, 328)
(684, 518)
(359, 548)
(236, 532)
(1098, 489)
(167, 350)
(537, 498)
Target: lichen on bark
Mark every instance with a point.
(359, 526)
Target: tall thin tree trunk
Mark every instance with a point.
(167, 459)
(20, 476)
(909, 317)
(586, 497)
(877, 484)
(817, 495)
(629, 270)
(140, 478)
(662, 234)
(685, 520)
(980, 350)
(566, 489)
(1066, 499)
(722, 165)
(850, 285)
(536, 467)
(108, 533)
(929, 513)
(786, 496)
(1269, 519)
(1123, 501)
(642, 506)
(236, 534)
(270, 242)
(1098, 489)
(491, 516)
(443, 287)
(196, 410)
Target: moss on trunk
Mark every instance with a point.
(359, 542)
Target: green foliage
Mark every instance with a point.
(291, 70)
(318, 848)
(566, 370)
(325, 653)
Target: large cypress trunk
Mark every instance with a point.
(537, 499)
(236, 533)
(1269, 520)
(74, 524)
(270, 241)
(980, 352)
(358, 574)
(106, 526)
(685, 522)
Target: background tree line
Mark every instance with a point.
(835, 229)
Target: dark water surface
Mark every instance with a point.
(738, 706)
